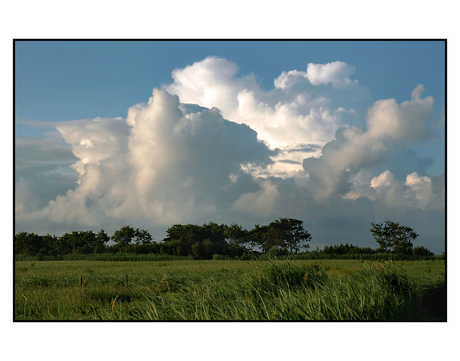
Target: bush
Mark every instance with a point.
(422, 251)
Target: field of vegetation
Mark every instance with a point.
(192, 290)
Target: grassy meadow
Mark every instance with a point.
(316, 290)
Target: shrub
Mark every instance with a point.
(421, 251)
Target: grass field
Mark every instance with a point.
(230, 290)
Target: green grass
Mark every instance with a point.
(230, 290)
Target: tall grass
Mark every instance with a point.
(262, 291)
(285, 291)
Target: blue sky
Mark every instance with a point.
(61, 87)
(64, 80)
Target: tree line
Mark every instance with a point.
(285, 236)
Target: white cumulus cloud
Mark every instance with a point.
(286, 117)
(388, 124)
(337, 73)
(214, 146)
(164, 163)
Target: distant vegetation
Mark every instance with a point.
(283, 238)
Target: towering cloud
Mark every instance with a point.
(165, 163)
(295, 113)
(214, 146)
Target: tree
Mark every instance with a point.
(200, 241)
(257, 237)
(77, 242)
(288, 233)
(124, 236)
(127, 234)
(235, 233)
(196, 250)
(32, 244)
(188, 233)
(142, 236)
(208, 248)
(214, 232)
(24, 243)
(178, 247)
(393, 237)
(236, 237)
(102, 239)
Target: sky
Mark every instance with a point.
(338, 134)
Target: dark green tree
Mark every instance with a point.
(288, 233)
(127, 235)
(208, 248)
(258, 238)
(236, 237)
(32, 244)
(199, 241)
(188, 233)
(62, 245)
(421, 251)
(48, 245)
(142, 236)
(393, 237)
(77, 242)
(235, 234)
(101, 241)
(26, 244)
(196, 250)
(124, 236)
(178, 247)
(214, 232)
